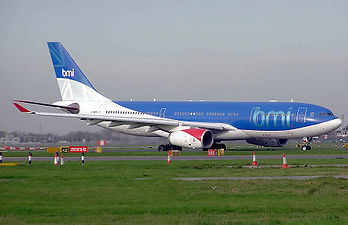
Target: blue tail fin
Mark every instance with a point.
(73, 84)
(65, 66)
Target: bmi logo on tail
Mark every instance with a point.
(67, 73)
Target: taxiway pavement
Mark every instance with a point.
(116, 158)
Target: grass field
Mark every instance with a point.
(143, 192)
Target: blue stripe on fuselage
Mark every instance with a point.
(266, 116)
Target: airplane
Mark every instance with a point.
(186, 124)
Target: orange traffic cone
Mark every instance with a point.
(254, 160)
(169, 159)
(55, 159)
(285, 164)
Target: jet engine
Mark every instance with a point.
(268, 142)
(192, 138)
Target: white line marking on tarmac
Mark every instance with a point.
(291, 166)
(257, 178)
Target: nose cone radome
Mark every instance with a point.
(335, 123)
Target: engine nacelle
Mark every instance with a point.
(192, 138)
(268, 142)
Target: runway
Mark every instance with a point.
(257, 178)
(117, 158)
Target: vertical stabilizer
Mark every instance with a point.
(73, 84)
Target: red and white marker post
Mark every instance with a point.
(169, 158)
(254, 160)
(83, 159)
(29, 158)
(61, 160)
(285, 163)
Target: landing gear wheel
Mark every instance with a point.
(306, 147)
(161, 148)
(169, 147)
(223, 146)
(174, 147)
(216, 146)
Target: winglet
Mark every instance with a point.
(21, 108)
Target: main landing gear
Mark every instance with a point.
(306, 142)
(216, 146)
(169, 147)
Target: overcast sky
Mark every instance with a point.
(175, 50)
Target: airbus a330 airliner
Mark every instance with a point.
(196, 125)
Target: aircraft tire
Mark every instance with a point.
(161, 148)
(223, 146)
(179, 148)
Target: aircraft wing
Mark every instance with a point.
(141, 121)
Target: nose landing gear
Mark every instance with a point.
(306, 147)
(306, 142)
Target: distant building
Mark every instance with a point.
(9, 140)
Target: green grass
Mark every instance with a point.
(112, 193)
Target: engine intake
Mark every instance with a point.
(268, 142)
(192, 138)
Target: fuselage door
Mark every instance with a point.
(163, 112)
(301, 114)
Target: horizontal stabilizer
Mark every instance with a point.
(21, 108)
(49, 105)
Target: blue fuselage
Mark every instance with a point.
(261, 116)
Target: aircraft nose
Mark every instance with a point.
(340, 122)
(330, 125)
(336, 123)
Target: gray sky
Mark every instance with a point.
(175, 50)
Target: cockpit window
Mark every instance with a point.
(325, 114)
